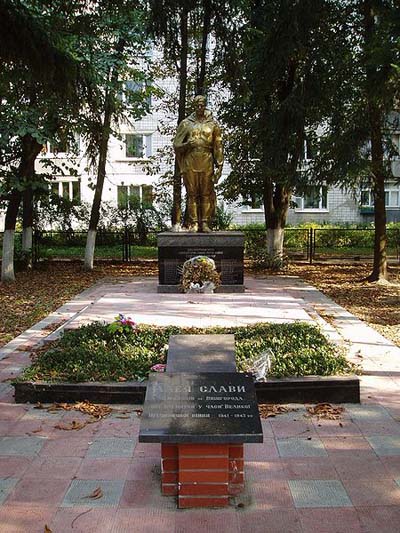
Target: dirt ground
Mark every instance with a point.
(35, 294)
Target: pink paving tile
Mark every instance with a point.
(7, 396)
(309, 468)
(39, 428)
(347, 446)
(372, 492)
(339, 428)
(359, 467)
(12, 411)
(23, 519)
(379, 519)
(292, 428)
(112, 427)
(261, 452)
(140, 469)
(38, 492)
(202, 520)
(387, 427)
(392, 465)
(65, 447)
(144, 450)
(83, 520)
(5, 426)
(53, 467)
(271, 495)
(14, 466)
(139, 493)
(276, 521)
(115, 468)
(146, 521)
(256, 471)
(326, 520)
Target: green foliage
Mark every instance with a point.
(97, 353)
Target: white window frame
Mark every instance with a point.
(70, 182)
(299, 200)
(132, 185)
(390, 188)
(147, 138)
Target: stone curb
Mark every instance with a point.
(309, 389)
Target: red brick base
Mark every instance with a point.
(202, 475)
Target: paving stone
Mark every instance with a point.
(398, 481)
(382, 519)
(151, 521)
(330, 520)
(80, 490)
(38, 492)
(111, 447)
(270, 495)
(370, 413)
(385, 444)
(263, 521)
(301, 447)
(4, 388)
(21, 445)
(6, 486)
(372, 492)
(82, 520)
(319, 493)
(25, 519)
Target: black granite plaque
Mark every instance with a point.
(201, 353)
(225, 248)
(200, 408)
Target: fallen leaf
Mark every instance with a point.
(96, 494)
(47, 529)
(270, 410)
(74, 425)
(325, 411)
(121, 379)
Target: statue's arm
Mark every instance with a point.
(180, 140)
(218, 152)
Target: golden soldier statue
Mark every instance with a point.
(198, 149)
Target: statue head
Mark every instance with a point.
(199, 103)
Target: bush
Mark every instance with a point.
(95, 353)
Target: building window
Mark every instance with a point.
(137, 146)
(315, 198)
(392, 196)
(70, 190)
(253, 201)
(131, 195)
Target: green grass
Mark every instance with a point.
(96, 353)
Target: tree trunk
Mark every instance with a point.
(176, 215)
(375, 116)
(276, 205)
(27, 226)
(30, 150)
(201, 80)
(109, 106)
(7, 263)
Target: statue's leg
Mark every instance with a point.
(207, 202)
(190, 180)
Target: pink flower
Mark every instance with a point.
(159, 367)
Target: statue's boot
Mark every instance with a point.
(205, 216)
(192, 216)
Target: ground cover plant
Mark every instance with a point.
(124, 351)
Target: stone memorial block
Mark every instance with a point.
(224, 247)
(200, 408)
(201, 353)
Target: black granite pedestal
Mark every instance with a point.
(224, 247)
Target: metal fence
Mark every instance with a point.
(304, 244)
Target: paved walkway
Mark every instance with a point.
(309, 475)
